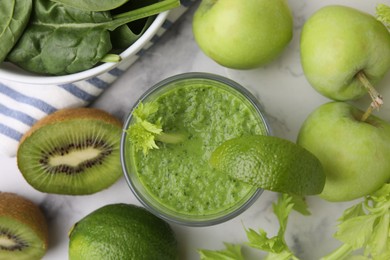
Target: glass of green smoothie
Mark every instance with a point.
(174, 180)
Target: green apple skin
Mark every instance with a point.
(336, 43)
(243, 34)
(355, 154)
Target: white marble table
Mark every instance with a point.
(287, 99)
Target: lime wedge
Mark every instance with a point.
(271, 163)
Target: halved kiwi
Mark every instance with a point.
(23, 228)
(73, 151)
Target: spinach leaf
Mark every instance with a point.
(93, 5)
(64, 40)
(127, 34)
(61, 40)
(14, 16)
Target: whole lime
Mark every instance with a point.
(122, 231)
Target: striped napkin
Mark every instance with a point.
(22, 105)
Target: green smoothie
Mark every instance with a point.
(178, 176)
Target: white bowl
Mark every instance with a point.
(11, 72)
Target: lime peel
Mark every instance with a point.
(270, 163)
(122, 231)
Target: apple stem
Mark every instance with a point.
(368, 112)
(377, 99)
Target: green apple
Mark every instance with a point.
(340, 48)
(243, 34)
(355, 154)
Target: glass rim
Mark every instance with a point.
(180, 218)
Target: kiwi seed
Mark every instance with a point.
(72, 151)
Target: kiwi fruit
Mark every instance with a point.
(73, 151)
(23, 228)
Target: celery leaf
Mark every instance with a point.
(355, 231)
(383, 14)
(143, 111)
(142, 139)
(144, 134)
(232, 252)
(379, 241)
(260, 240)
(300, 205)
(354, 211)
(282, 210)
(366, 226)
(276, 246)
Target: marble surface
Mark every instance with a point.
(287, 99)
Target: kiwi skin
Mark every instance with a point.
(29, 218)
(69, 180)
(70, 113)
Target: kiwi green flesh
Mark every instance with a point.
(19, 241)
(73, 157)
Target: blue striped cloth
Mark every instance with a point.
(21, 105)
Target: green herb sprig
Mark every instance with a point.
(383, 14)
(366, 226)
(144, 134)
(276, 246)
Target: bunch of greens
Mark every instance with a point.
(364, 226)
(276, 246)
(66, 36)
(144, 134)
